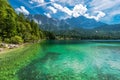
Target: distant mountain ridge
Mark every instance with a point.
(84, 22)
(113, 27)
(51, 24)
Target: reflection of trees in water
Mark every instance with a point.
(36, 71)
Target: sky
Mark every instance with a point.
(107, 11)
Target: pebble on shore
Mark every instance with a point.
(1, 49)
(8, 46)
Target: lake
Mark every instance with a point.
(75, 60)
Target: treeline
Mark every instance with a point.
(87, 34)
(15, 28)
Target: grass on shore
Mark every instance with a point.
(12, 61)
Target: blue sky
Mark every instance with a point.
(107, 11)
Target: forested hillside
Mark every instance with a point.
(111, 32)
(16, 28)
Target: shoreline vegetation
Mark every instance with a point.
(12, 60)
(6, 47)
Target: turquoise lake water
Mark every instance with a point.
(75, 60)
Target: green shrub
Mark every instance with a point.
(16, 40)
(0, 39)
(7, 40)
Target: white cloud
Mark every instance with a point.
(104, 4)
(110, 7)
(30, 2)
(96, 9)
(64, 17)
(79, 10)
(22, 10)
(67, 10)
(52, 9)
(48, 15)
(58, 6)
(63, 9)
(39, 3)
(70, 2)
(76, 11)
(36, 1)
(43, 4)
(52, 0)
(113, 13)
(100, 14)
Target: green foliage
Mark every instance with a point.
(16, 40)
(87, 34)
(7, 40)
(14, 60)
(7, 20)
(49, 35)
(0, 39)
(16, 28)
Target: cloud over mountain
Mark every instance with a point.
(79, 10)
(52, 9)
(48, 15)
(99, 15)
(103, 10)
(23, 10)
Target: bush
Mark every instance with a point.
(16, 40)
(0, 39)
(34, 38)
(7, 40)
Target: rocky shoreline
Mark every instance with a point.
(4, 46)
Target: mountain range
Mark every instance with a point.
(51, 24)
(77, 28)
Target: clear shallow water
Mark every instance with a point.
(75, 60)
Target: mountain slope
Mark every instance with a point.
(113, 27)
(84, 22)
(49, 24)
